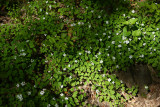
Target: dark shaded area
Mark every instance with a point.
(7, 5)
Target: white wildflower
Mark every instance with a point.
(65, 106)
(154, 49)
(113, 42)
(113, 58)
(129, 49)
(141, 56)
(153, 33)
(75, 61)
(50, 6)
(17, 85)
(23, 54)
(64, 54)
(117, 33)
(70, 77)
(142, 24)
(139, 38)
(99, 16)
(42, 92)
(64, 69)
(130, 56)
(99, 53)
(127, 42)
(113, 82)
(56, 105)
(109, 36)
(146, 87)
(157, 28)
(109, 80)
(66, 98)
(100, 39)
(107, 54)
(29, 92)
(104, 33)
(123, 37)
(79, 23)
(124, 15)
(144, 44)
(119, 46)
(20, 97)
(48, 105)
(22, 50)
(96, 56)
(23, 83)
(101, 61)
(46, 13)
(46, 1)
(61, 86)
(88, 52)
(43, 18)
(69, 65)
(49, 71)
(107, 22)
(80, 53)
(32, 60)
(150, 48)
(53, 98)
(117, 66)
(61, 94)
(92, 11)
(97, 91)
(103, 75)
(154, 39)
(92, 63)
(133, 11)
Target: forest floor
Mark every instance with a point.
(152, 99)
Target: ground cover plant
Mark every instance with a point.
(53, 48)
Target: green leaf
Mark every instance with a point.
(112, 92)
(136, 33)
(76, 101)
(125, 31)
(154, 6)
(75, 94)
(80, 97)
(61, 25)
(110, 87)
(133, 21)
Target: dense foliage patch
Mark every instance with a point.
(55, 48)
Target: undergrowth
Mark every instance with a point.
(55, 47)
